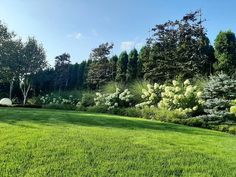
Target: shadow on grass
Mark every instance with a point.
(15, 116)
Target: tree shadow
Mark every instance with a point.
(52, 117)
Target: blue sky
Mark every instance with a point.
(78, 26)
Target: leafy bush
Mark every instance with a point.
(60, 106)
(151, 95)
(110, 87)
(57, 100)
(182, 97)
(87, 99)
(218, 94)
(233, 107)
(232, 130)
(98, 109)
(118, 99)
(136, 88)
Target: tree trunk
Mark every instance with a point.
(11, 89)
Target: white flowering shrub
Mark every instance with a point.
(151, 95)
(182, 97)
(53, 99)
(233, 107)
(114, 100)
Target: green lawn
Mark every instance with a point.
(38, 142)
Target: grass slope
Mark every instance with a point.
(63, 143)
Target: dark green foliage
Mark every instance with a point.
(99, 70)
(88, 99)
(218, 94)
(132, 65)
(62, 66)
(225, 52)
(60, 106)
(113, 63)
(145, 63)
(178, 48)
(122, 67)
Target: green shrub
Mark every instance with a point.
(97, 109)
(60, 106)
(34, 101)
(136, 88)
(130, 112)
(110, 87)
(88, 99)
(168, 116)
(80, 107)
(56, 100)
(232, 130)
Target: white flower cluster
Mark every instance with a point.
(117, 99)
(151, 95)
(53, 99)
(182, 97)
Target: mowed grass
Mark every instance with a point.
(38, 142)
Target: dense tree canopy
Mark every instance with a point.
(99, 70)
(225, 52)
(178, 48)
(122, 67)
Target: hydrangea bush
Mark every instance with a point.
(233, 107)
(183, 97)
(114, 100)
(151, 95)
(177, 96)
(53, 99)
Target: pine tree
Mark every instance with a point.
(122, 67)
(132, 66)
(218, 94)
(113, 63)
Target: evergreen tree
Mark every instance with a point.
(225, 52)
(144, 64)
(62, 65)
(113, 63)
(132, 66)
(99, 70)
(218, 94)
(122, 67)
(178, 48)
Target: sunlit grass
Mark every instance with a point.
(38, 142)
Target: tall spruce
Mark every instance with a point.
(113, 63)
(132, 66)
(122, 67)
(145, 63)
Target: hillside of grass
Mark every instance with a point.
(40, 142)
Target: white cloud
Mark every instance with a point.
(94, 32)
(127, 45)
(76, 35)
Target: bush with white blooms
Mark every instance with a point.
(182, 97)
(53, 99)
(114, 100)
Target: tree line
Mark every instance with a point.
(177, 48)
